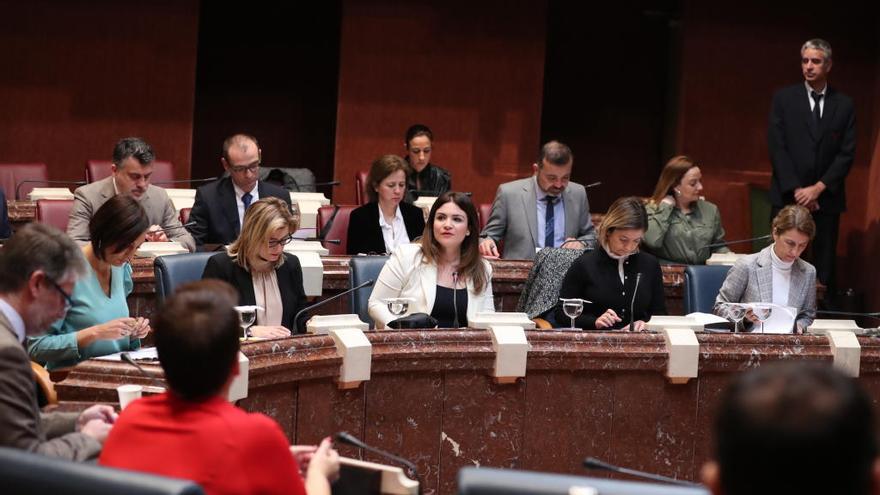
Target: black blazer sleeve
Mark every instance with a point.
(364, 234)
(5, 231)
(576, 284)
(201, 216)
(414, 219)
(293, 296)
(222, 267)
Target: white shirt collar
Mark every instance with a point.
(14, 319)
(239, 192)
(397, 216)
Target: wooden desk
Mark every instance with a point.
(430, 397)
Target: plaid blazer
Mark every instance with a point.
(751, 280)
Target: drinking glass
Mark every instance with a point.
(398, 305)
(247, 316)
(762, 313)
(736, 313)
(573, 307)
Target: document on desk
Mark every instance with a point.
(780, 320)
(144, 354)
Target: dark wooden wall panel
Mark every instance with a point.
(79, 75)
(472, 71)
(733, 60)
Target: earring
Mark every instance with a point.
(677, 191)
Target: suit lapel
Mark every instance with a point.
(828, 111)
(803, 104)
(229, 205)
(107, 189)
(765, 276)
(245, 283)
(427, 273)
(797, 285)
(571, 215)
(284, 289)
(530, 206)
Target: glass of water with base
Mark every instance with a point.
(762, 312)
(398, 306)
(736, 313)
(573, 307)
(247, 315)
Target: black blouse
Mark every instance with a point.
(444, 308)
(595, 277)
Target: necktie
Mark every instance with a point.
(549, 234)
(817, 110)
(246, 199)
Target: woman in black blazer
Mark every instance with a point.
(264, 275)
(607, 276)
(385, 222)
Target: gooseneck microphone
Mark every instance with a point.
(740, 241)
(156, 382)
(325, 301)
(318, 239)
(349, 439)
(185, 181)
(593, 463)
(632, 303)
(594, 184)
(169, 229)
(455, 323)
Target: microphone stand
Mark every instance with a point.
(325, 301)
(156, 382)
(184, 181)
(593, 463)
(349, 439)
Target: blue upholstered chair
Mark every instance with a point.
(361, 269)
(176, 269)
(24, 473)
(701, 285)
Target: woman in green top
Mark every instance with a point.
(97, 321)
(681, 224)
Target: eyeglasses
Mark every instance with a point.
(240, 169)
(68, 301)
(274, 243)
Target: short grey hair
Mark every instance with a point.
(555, 153)
(818, 44)
(38, 246)
(134, 147)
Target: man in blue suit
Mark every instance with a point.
(812, 141)
(219, 207)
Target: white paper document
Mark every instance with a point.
(781, 319)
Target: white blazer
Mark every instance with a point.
(405, 275)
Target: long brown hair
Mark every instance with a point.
(470, 265)
(671, 176)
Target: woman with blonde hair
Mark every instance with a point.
(444, 274)
(264, 275)
(623, 286)
(682, 226)
(776, 274)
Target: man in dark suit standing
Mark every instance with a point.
(812, 141)
(219, 207)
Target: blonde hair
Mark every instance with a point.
(625, 213)
(260, 220)
(671, 176)
(794, 217)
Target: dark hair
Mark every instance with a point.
(794, 217)
(117, 224)
(555, 153)
(237, 140)
(196, 334)
(382, 167)
(795, 428)
(417, 130)
(471, 262)
(133, 147)
(671, 176)
(38, 246)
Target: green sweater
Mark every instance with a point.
(682, 238)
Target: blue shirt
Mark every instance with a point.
(558, 218)
(91, 306)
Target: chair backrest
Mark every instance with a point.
(176, 269)
(55, 212)
(701, 285)
(361, 197)
(484, 211)
(24, 473)
(98, 169)
(11, 174)
(338, 229)
(184, 215)
(361, 269)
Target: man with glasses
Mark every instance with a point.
(38, 269)
(219, 208)
(132, 169)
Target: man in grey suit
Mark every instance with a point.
(545, 210)
(132, 168)
(38, 269)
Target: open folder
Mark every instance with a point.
(780, 320)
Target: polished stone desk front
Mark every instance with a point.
(430, 396)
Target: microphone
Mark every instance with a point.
(349, 439)
(875, 315)
(41, 181)
(331, 298)
(166, 230)
(594, 184)
(728, 243)
(632, 303)
(455, 323)
(156, 382)
(330, 183)
(419, 193)
(331, 241)
(183, 181)
(593, 463)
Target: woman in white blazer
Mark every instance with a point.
(776, 274)
(444, 275)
